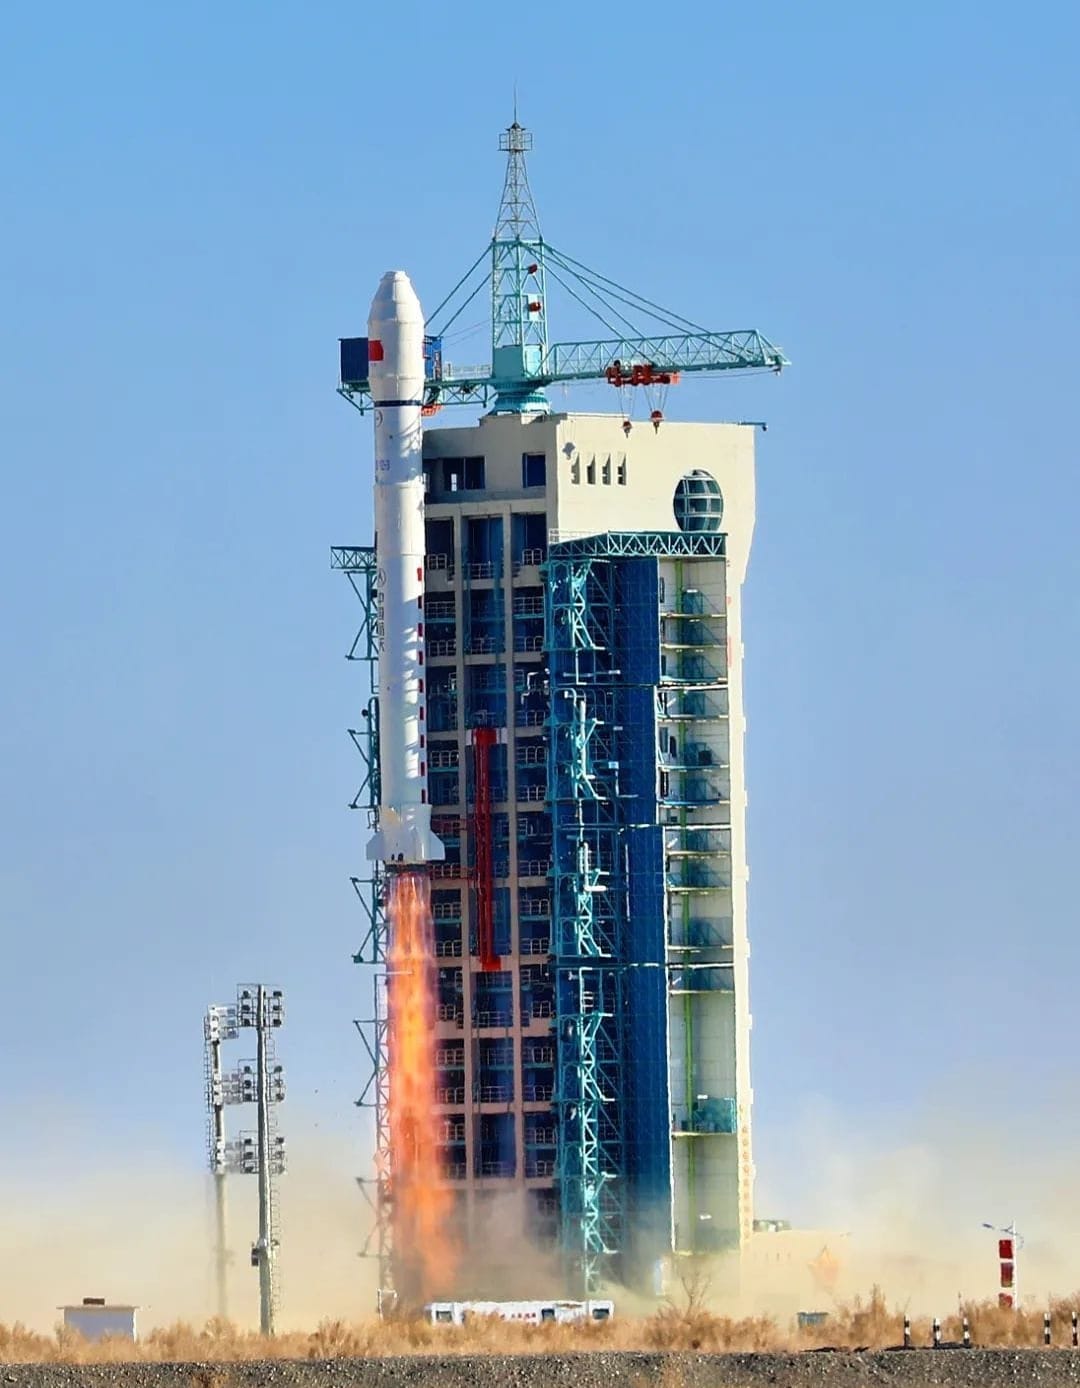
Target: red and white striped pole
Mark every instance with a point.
(1007, 1295)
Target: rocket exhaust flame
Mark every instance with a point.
(424, 1252)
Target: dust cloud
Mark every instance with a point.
(907, 1215)
(135, 1226)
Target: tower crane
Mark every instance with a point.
(517, 265)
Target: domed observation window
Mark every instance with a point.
(699, 503)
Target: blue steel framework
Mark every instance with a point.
(359, 566)
(618, 856)
(610, 936)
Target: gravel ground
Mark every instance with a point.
(977, 1368)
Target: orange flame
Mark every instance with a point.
(424, 1252)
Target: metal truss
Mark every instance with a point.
(358, 563)
(588, 911)
(638, 544)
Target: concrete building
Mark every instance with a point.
(583, 603)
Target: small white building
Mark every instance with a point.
(96, 1319)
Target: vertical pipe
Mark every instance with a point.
(937, 1333)
(1046, 1328)
(484, 738)
(907, 1332)
(220, 1250)
(966, 1332)
(264, 1249)
(1075, 1330)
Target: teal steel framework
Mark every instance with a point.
(359, 566)
(517, 265)
(589, 910)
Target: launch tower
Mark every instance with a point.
(582, 657)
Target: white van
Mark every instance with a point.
(524, 1312)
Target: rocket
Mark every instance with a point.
(403, 836)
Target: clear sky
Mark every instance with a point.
(198, 200)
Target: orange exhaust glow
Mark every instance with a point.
(424, 1252)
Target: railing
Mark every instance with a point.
(455, 1171)
(442, 647)
(539, 1167)
(448, 949)
(438, 609)
(450, 1012)
(526, 605)
(541, 1009)
(529, 718)
(496, 1168)
(540, 1137)
(540, 946)
(446, 911)
(707, 1116)
(450, 1056)
(486, 569)
(538, 1055)
(453, 1131)
(534, 867)
(446, 870)
(536, 908)
(483, 645)
(443, 757)
(444, 563)
(493, 1093)
(493, 1018)
(450, 1094)
(537, 1093)
(697, 881)
(531, 754)
(528, 645)
(532, 794)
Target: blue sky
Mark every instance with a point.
(199, 200)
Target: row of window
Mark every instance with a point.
(605, 471)
(467, 474)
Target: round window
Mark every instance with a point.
(699, 503)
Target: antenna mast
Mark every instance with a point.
(518, 303)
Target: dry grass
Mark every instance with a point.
(686, 1325)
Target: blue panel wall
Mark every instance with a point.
(646, 1121)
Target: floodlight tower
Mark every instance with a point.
(262, 1153)
(219, 1025)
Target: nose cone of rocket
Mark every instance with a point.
(395, 301)
(395, 340)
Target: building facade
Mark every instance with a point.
(583, 651)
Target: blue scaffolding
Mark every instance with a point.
(608, 941)
(358, 563)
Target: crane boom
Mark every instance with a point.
(522, 362)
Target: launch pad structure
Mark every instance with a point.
(581, 750)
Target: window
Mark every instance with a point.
(605, 475)
(620, 472)
(699, 503)
(443, 1317)
(533, 470)
(590, 473)
(463, 474)
(575, 469)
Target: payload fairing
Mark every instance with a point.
(403, 836)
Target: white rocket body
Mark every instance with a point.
(396, 376)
